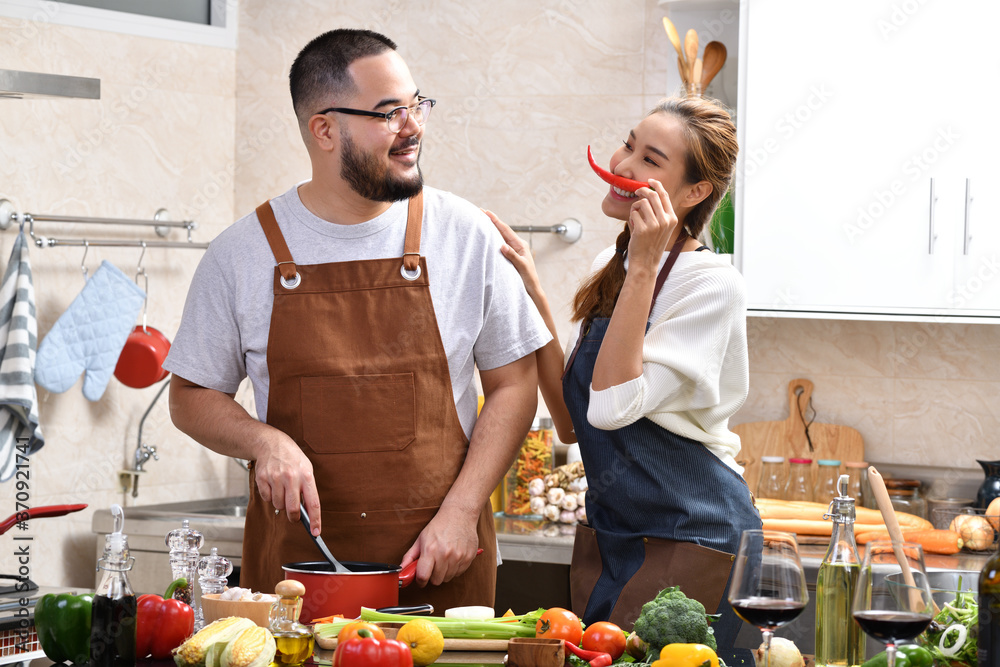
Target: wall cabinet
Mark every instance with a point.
(868, 177)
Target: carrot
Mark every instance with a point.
(933, 541)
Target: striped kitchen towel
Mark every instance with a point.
(19, 429)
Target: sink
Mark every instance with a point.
(232, 507)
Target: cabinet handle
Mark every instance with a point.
(932, 235)
(968, 205)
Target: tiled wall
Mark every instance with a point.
(523, 87)
(161, 132)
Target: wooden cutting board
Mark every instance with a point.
(788, 438)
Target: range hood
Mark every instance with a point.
(16, 85)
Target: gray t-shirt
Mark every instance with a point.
(483, 313)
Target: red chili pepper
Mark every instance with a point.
(593, 658)
(618, 181)
(162, 624)
(366, 651)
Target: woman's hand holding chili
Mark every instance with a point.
(652, 221)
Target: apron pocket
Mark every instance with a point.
(701, 572)
(585, 568)
(358, 413)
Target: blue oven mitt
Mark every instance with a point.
(90, 335)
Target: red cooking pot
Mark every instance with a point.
(373, 585)
(141, 361)
(328, 592)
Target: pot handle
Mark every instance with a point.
(408, 573)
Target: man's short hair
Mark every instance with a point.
(320, 69)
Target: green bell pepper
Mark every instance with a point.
(907, 655)
(63, 625)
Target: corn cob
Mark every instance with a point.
(254, 647)
(193, 652)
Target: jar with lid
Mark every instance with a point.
(800, 484)
(534, 459)
(827, 476)
(857, 481)
(904, 494)
(772, 478)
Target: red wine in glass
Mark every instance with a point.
(767, 613)
(892, 626)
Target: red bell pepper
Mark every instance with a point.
(162, 623)
(366, 651)
(593, 658)
(618, 181)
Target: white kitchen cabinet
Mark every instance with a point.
(849, 112)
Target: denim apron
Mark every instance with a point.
(647, 483)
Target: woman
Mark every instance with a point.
(653, 372)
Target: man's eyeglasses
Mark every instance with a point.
(395, 119)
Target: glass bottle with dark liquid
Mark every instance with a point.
(113, 614)
(293, 641)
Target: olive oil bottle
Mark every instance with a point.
(293, 641)
(839, 640)
(989, 612)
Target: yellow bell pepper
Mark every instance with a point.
(687, 655)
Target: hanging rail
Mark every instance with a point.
(569, 230)
(160, 223)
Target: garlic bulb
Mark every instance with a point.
(552, 512)
(569, 502)
(567, 516)
(536, 487)
(537, 505)
(555, 496)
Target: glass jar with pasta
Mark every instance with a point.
(534, 460)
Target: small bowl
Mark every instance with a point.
(213, 608)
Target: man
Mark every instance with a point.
(358, 303)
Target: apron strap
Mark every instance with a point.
(661, 277)
(414, 219)
(277, 242)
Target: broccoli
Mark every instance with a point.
(670, 618)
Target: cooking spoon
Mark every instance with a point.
(691, 49)
(715, 58)
(337, 565)
(675, 39)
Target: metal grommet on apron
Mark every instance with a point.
(362, 399)
(663, 499)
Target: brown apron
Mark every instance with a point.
(359, 379)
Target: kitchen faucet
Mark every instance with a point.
(143, 452)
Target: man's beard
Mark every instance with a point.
(369, 176)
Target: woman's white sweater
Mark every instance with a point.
(695, 368)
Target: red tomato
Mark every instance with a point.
(605, 637)
(559, 623)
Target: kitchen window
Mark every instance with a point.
(206, 22)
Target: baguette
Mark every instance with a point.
(803, 510)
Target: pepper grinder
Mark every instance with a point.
(213, 573)
(184, 543)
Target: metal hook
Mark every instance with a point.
(141, 271)
(83, 261)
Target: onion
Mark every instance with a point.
(949, 651)
(993, 513)
(976, 532)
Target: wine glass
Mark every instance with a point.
(892, 598)
(768, 587)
